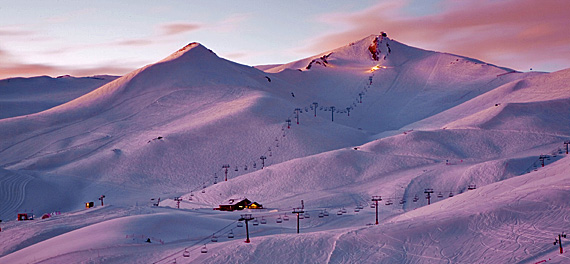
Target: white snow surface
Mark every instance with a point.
(409, 121)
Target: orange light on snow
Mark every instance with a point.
(377, 67)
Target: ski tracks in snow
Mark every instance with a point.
(12, 191)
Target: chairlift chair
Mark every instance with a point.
(236, 168)
(440, 195)
(450, 194)
(325, 212)
(321, 215)
(231, 234)
(307, 215)
(214, 238)
(356, 210)
(245, 168)
(339, 212)
(279, 220)
(239, 224)
(301, 216)
(203, 190)
(186, 254)
(254, 165)
(285, 218)
(403, 201)
(389, 202)
(263, 221)
(372, 206)
(255, 222)
(204, 249)
(415, 198)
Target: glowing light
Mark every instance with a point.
(377, 67)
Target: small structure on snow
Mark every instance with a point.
(239, 204)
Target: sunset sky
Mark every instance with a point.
(49, 37)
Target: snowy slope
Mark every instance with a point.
(413, 120)
(22, 96)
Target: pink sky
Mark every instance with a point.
(74, 39)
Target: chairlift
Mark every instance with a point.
(255, 222)
(339, 212)
(403, 201)
(301, 216)
(307, 215)
(285, 218)
(360, 206)
(471, 187)
(321, 215)
(389, 202)
(239, 224)
(450, 194)
(440, 195)
(415, 198)
(204, 249)
(279, 220)
(186, 253)
(263, 221)
(231, 234)
(214, 238)
(343, 210)
(356, 210)
(372, 206)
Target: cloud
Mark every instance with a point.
(178, 28)
(8, 32)
(133, 42)
(512, 33)
(11, 67)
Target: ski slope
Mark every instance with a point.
(375, 117)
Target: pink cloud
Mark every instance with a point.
(133, 42)
(512, 33)
(11, 67)
(178, 28)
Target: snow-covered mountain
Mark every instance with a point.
(375, 117)
(22, 96)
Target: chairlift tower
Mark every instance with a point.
(332, 113)
(566, 144)
(376, 199)
(262, 158)
(428, 193)
(559, 241)
(542, 158)
(101, 199)
(297, 110)
(177, 199)
(298, 211)
(316, 105)
(226, 167)
(246, 218)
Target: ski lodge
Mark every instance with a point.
(237, 204)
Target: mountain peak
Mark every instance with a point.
(193, 47)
